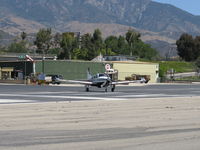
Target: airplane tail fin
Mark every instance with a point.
(89, 76)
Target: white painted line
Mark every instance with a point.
(61, 92)
(61, 97)
(14, 101)
(143, 95)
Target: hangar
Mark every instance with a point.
(15, 70)
(129, 68)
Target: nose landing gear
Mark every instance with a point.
(87, 88)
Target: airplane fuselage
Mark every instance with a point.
(100, 81)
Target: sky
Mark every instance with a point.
(191, 6)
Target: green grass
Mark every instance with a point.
(178, 67)
(197, 79)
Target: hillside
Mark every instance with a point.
(160, 24)
(5, 38)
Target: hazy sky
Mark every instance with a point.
(192, 6)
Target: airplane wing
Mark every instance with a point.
(125, 82)
(76, 82)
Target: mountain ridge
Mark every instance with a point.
(155, 21)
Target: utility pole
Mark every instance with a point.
(43, 57)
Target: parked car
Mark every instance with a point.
(54, 79)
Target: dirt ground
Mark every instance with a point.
(161, 117)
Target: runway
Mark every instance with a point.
(140, 117)
(38, 94)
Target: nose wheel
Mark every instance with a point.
(106, 90)
(87, 88)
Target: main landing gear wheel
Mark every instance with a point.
(113, 88)
(106, 90)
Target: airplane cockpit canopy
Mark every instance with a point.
(100, 75)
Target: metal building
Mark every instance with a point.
(126, 69)
(12, 70)
(70, 69)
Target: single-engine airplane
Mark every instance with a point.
(100, 80)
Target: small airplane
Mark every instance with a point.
(100, 80)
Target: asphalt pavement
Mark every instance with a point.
(36, 93)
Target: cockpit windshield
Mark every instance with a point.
(102, 75)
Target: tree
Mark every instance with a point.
(55, 51)
(123, 46)
(23, 36)
(186, 47)
(145, 51)
(19, 47)
(88, 46)
(80, 54)
(111, 43)
(55, 44)
(97, 41)
(197, 47)
(68, 43)
(91, 46)
(43, 40)
(132, 37)
(57, 38)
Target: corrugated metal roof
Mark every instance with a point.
(134, 62)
